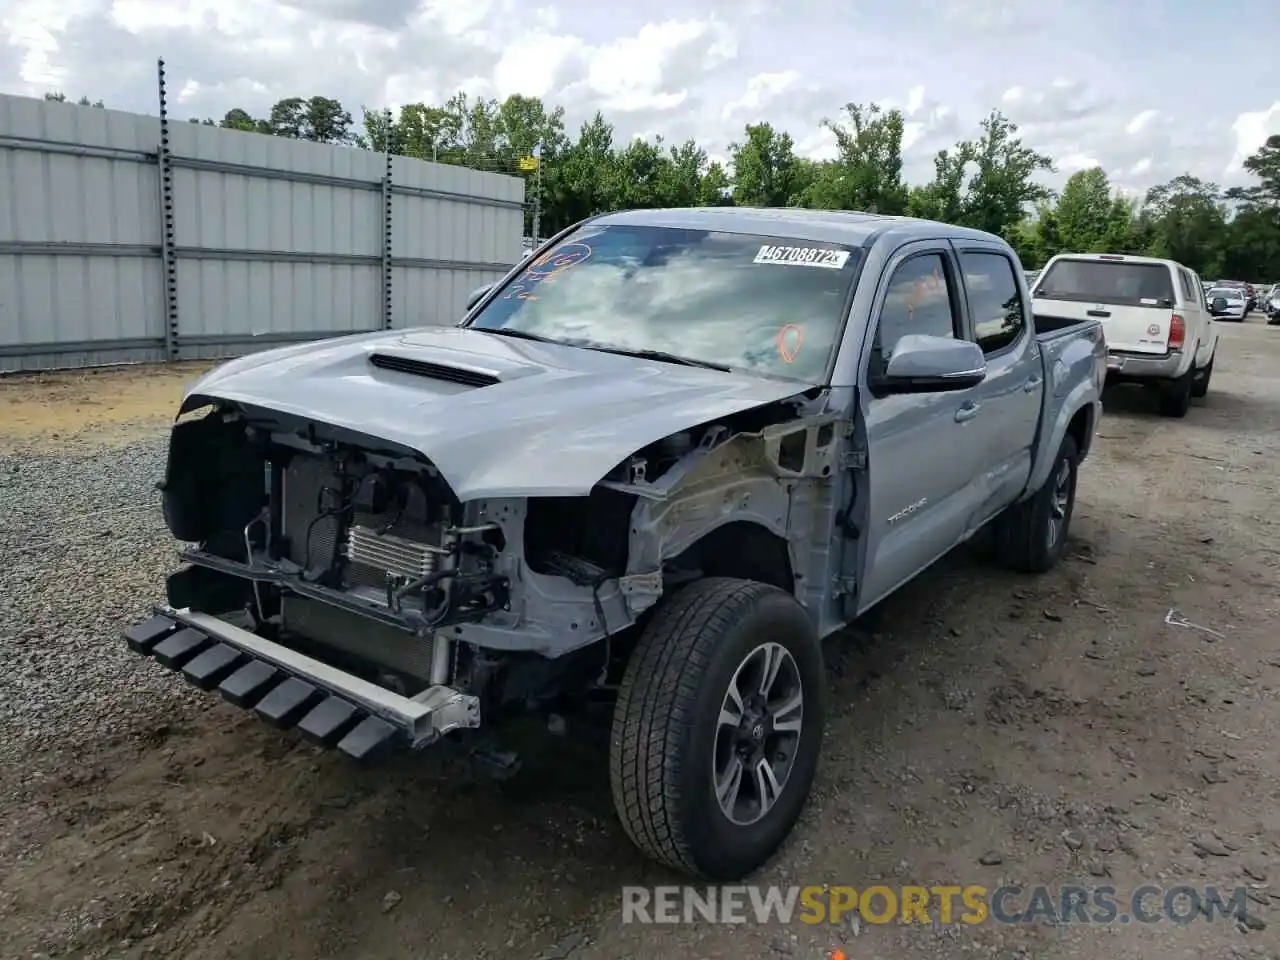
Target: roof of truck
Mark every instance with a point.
(848, 227)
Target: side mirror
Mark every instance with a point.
(476, 295)
(1218, 306)
(921, 363)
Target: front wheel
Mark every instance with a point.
(717, 728)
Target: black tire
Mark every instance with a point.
(1200, 381)
(1022, 534)
(666, 726)
(1175, 396)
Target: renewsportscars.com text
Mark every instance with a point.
(969, 904)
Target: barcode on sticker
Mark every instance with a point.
(802, 257)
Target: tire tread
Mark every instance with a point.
(656, 704)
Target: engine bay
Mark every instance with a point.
(297, 515)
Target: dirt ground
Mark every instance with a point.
(1060, 729)
(107, 404)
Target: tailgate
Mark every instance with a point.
(1133, 300)
(1128, 329)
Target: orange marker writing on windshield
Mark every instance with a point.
(790, 339)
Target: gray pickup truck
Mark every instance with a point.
(651, 468)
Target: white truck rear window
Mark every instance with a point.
(1108, 281)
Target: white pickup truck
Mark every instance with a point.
(1159, 328)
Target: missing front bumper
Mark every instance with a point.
(328, 706)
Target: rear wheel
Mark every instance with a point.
(1030, 536)
(1200, 382)
(717, 727)
(1175, 396)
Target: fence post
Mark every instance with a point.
(168, 264)
(387, 234)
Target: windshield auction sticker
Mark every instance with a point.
(802, 257)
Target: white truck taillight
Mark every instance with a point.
(1177, 332)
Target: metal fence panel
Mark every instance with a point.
(80, 280)
(270, 240)
(466, 243)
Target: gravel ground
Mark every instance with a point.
(988, 728)
(86, 548)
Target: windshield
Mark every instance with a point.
(1227, 292)
(763, 304)
(1108, 281)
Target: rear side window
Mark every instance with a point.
(1188, 287)
(1109, 281)
(994, 300)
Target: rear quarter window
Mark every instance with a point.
(1109, 281)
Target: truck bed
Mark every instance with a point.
(1047, 325)
(1073, 357)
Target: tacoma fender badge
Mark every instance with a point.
(908, 510)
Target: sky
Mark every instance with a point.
(1146, 89)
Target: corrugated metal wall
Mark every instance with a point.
(126, 238)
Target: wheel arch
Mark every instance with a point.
(741, 549)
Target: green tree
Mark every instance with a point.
(715, 190)
(867, 172)
(943, 197)
(1185, 221)
(237, 119)
(1090, 218)
(1003, 184)
(764, 167)
(1082, 218)
(1265, 165)
(991, 181)
(58, 97)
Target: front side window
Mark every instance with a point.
(919, 300)
(767, 305)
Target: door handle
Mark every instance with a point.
(1032, 384)
(967, 411)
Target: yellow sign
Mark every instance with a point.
(528, 163)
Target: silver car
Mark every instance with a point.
(1234, 304)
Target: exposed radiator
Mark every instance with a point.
(358, 636)
(304, 479)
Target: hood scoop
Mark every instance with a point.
(465, 376)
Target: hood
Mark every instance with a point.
(496, 415)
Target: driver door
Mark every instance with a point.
(925, 450)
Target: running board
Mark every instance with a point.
(291, 690)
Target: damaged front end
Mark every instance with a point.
(320, 576)
(333, 581)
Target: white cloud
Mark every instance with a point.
(1252, 131)
(1075, 162)
(1066, 71)
(1140, 121)
(762, 89)
(530, 65)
